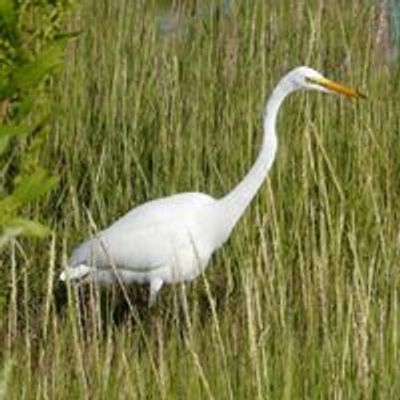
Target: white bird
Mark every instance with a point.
(172, 239)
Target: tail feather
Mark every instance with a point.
(77, 273)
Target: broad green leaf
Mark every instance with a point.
(21, 226)
(31, 74)
(32, 187)
(8, 17)
(9, 131)
(13, 130)
(28, 188)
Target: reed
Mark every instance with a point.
(303, 300)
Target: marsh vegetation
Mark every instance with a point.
(303, 300)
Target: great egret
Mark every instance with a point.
(172, 239)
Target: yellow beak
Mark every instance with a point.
(338, 88)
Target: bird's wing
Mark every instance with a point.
(146, 237)
(122, 249)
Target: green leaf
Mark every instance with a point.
(32, 187)
(31, 74)
(8, 17)
(21, 226)
(28, 188)
(13, 130)
(9, 131)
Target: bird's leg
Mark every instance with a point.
(155, 286)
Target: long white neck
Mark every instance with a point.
(235, 202)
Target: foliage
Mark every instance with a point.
(31, 48)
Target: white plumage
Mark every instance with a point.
(172, 239)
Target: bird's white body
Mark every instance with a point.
(179, 249)
(172, 239)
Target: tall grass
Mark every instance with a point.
(303, 300)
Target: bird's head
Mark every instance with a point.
(310, 79)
